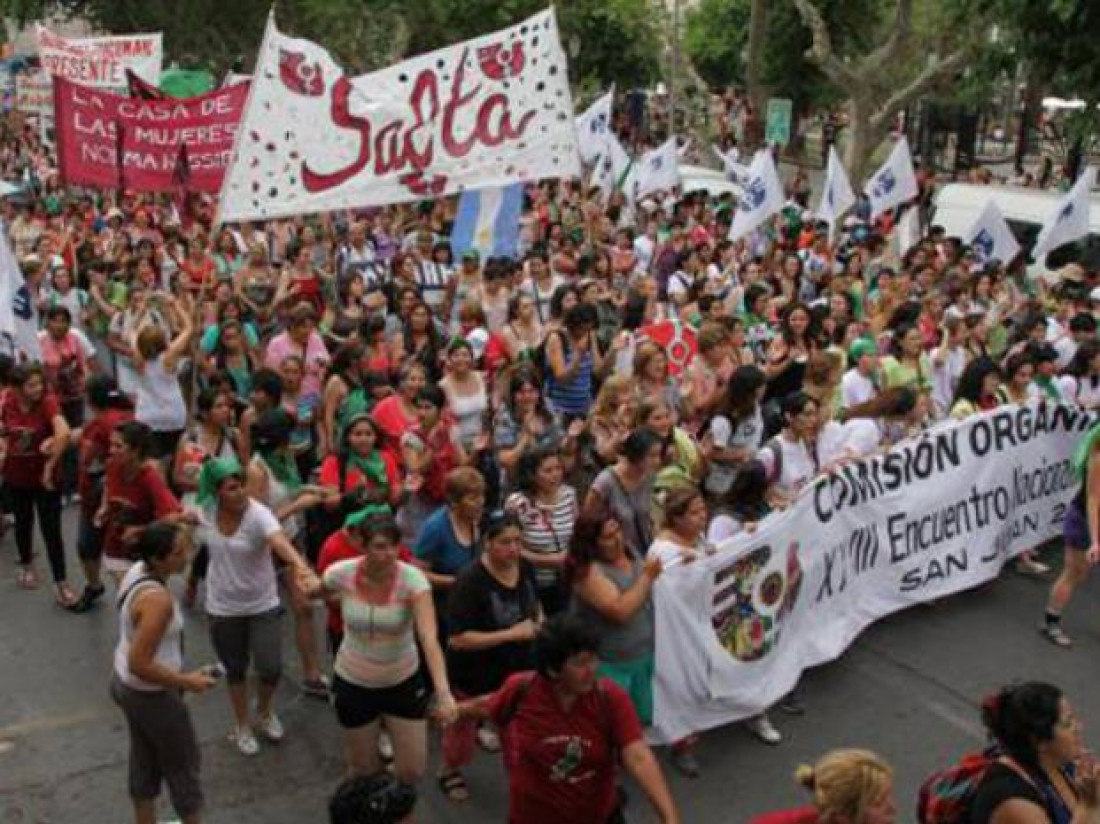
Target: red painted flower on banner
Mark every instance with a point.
(500, 63)
(301, 77)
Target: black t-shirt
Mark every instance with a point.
(480, 603)
(999, 784)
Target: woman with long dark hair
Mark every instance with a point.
(546, 509)
(737, 428)
(977, 388)
(35, 436)
(789, 352)
(1043, 774)
(344, 378)
(612, 592)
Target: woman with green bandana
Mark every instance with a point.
(273, 480)
(242, 598)
(1081, 529)
(360, 468)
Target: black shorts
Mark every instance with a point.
(358, 706)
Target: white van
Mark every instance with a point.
(957, 206)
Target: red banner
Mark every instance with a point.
(108, 141)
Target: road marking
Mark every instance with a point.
(6, 747)
(49, 723)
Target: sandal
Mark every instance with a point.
(453, 786)
(66, 598)
(27, 578)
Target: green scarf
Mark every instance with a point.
(372, 467)
(284, 469)
(213, 473)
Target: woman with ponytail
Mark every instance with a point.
(1042, 775)
(149, 678)
(1081, 530)
(848, 787)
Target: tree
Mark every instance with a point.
(1055, 42)
(608, 40)
(717, 42)
(901, 68)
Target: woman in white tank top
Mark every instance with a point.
(149, 679)
(157, 361)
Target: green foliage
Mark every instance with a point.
(612, 40)
(716, 38)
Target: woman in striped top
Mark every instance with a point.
(546, 509)
(386, 605)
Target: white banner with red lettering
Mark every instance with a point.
(101, 62)
(934, 516)
(487, 112)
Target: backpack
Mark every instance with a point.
(946, 796)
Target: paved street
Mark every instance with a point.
(908, 688)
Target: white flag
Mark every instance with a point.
(894, 183)
(611, 166)
(594, 126)
(11, 281)
(763, 196)
(483, 113)
(1070, 219)
(736, 171)
(990, 236)
(657, 170)
(837, 196)
(907, 233)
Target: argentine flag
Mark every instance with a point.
(488, 221)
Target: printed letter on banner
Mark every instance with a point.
(89, 123)
(101, 62)
(486, 112)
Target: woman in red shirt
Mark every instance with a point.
(359, 465)
(33, 438)
(135, 494)
(397, 414)
(849, 786)
(109, 408)
(565, 732)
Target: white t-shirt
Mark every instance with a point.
(945, 378)
(747, 435)
(856, 388)
(799, 465)
(241, 580)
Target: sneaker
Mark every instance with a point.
(316, 688)
(1055, 634)
(685, 761)
(1031, 567)
(761, 726)
(791, 703)
(271, 727)
(488, 740)
(245, 740)
(385, 746)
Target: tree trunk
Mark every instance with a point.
(863, 139)
(754, 58)
(1033, 101)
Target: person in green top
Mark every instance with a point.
(1045, 357)
(908, 365)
